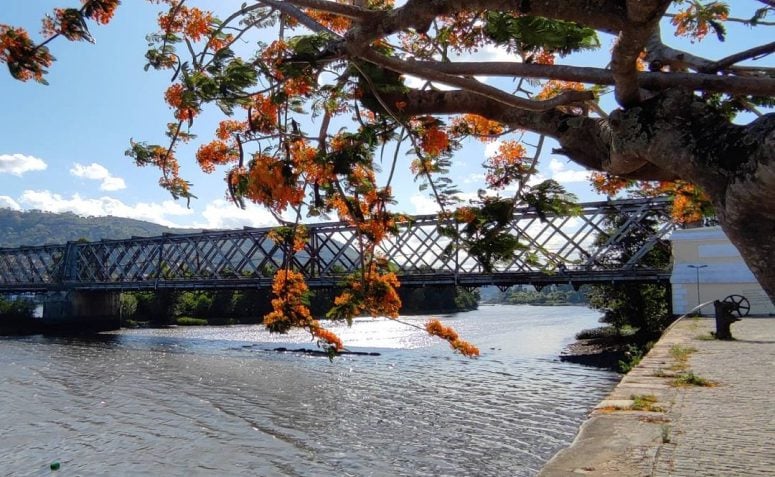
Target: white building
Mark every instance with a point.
(708, 254)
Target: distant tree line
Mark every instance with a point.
(549, 295)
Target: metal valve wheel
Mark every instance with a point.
(741, 304)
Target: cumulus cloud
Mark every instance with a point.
(18, 164)
(221, 214)
(424, 204)
(98, 172)
(562, 174)
(8, 203)
(103, 206)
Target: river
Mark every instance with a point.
(214, 401)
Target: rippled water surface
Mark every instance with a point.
(215, 401)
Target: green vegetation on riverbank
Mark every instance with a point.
(224, 307)
(550, 295)
(15, 310)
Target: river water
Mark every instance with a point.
(214, 400)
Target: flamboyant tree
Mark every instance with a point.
(322, 94)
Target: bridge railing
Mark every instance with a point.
(584, 246)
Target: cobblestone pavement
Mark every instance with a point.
(728, 429)
(724, 430)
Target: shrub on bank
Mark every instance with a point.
(605, 332)
(189, 321)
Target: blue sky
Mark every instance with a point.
(62, 146)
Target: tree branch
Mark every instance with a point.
(648, 80)
(643, 18)
(473, 86)
(606, 15)
(730, 60)
(342, 9)
(659, 54)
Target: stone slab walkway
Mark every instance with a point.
(648, 426)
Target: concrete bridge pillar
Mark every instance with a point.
(77, 310)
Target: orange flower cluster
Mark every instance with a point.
(304, 157)
(696, 20)
(65, 22)
(289, 307)
(274, 55)
(553, 88)
(69, 22)
(273, 183)
(373, 292)
(192, 22)
(175, 96)
(686, 209)
(507, 165)
(608, 184)
(690, 204)
(434, 141)
(25, 61)
(218, 43)
(332, 21)
(228, 128)
(435, 328)
(465, 215)
(290, 310)
(475, 125)
(298, 86)
(264, 115)
(328, 336)
(215, 153)
(463, 32)
(544, 58)
(101, 11)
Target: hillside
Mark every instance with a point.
(40, 228)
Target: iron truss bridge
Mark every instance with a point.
(585, 248)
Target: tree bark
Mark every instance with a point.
(733, 164)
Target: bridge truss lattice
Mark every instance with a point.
(560, 249)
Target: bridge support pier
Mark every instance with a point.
(76, 310)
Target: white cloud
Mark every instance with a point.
(97, 172)
(474, 178)
(496, 53)
(103, 206)
(221, 214)
(18, 164)
(8, 203)
(424, 204)
(562, 174)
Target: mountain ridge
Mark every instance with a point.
(35, 227)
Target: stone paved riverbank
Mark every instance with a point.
(650, 426)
